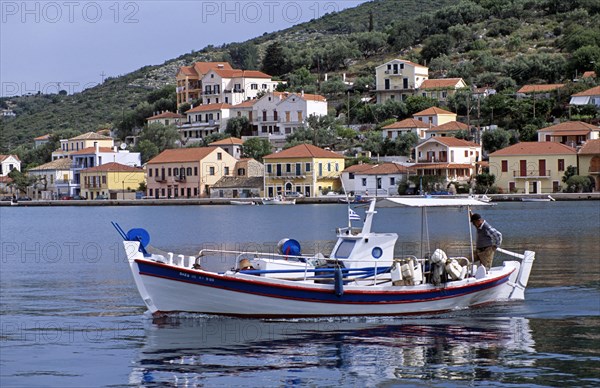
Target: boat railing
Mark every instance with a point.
(510, 253)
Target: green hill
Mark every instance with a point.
(498, 43)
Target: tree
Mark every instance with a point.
(495, 140)
(275, 61)
(243, 55)
(20, 180)
(238, 126)
(257, 148)
(147, 150)
(435, 46)
(370, 43)
(162, 136)
(415, 104)
(569, 172)
(405, 143)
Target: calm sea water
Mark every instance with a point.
(71, 316)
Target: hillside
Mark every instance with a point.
(486, 42)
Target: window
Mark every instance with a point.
(176, 171)
(466, 153)
(288, 167)
(364, 182)
(344, 249)
(264, 86)
(505, 166)
(298, 169)
(350, 175)
(307, 167)
(254, 86)
(226, 170)
(219, 156)
(196, 171)
(103, 179)
(211, 171)
(392, 181)
(269, 168)
(561, 165)
(189, 171)
(150, 172)
(169, 171)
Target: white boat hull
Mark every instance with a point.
(168, 287)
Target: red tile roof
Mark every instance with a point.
(435, 166)
(539, 88)
(43, 137)
(452, 142)
(201, 68)
(166, 115)
(57, 164)
(179, 155)
(535, 148)
(407, 124)
(311, 97)
(450, 126)
(591, 147)
(434, 110)
(595, 91)
(304, 151)
(237, 73)
(91, 136)
(245, 104)
(2, 157)
(358, 167)
(227, 141)
(589, 74)
(571, 126)
(113, 167)
(384, 168)
(209, 107)
(443, 83)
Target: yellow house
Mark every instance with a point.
(589, 161)
(112, 180)
(187, 172)
(305, 169)
(86, 140)
(532, 167)
(435, 116)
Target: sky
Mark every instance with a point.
(73, 45)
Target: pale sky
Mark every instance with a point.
(74, 43)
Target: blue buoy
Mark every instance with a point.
(289, 247)
(139, 234)
(339, 281)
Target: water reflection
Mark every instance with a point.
(198, 349)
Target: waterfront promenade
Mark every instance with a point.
(310, 200)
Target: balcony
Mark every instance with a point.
(531, 174)
(285, 175)
(180, 178)
(160, 178)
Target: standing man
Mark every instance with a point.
(488, 240)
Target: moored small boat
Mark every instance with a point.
(279, 200)
(242, 203)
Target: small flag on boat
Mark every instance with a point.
(352, 215)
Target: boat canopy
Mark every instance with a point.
(430, 202)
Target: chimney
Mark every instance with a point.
(96, 147)
(325, 77)
(220, 66)
(302, 94)
(344, 77)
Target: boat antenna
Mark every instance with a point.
(350, 211)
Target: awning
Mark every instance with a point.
(581, 100)
(430, 202)
(568, 133)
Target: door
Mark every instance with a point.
(522, 168)
(542, 167)
(387, 84)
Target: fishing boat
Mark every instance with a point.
(279, 200)
(360, 277)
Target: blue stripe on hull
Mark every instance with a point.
(303, 293)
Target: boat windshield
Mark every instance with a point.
(344, 249)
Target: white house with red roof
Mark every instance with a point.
(41, 140)
(587, 97)
(571, 133)
(398, 79)
(203, 120)
(189, 80)
(233, 86)
(166, 118)
(374, 179)
(54, 179)
(450, 128)
(542, 91)
(454, 159)
(532, 167)
(441, 89)
(232, 145)
(392, 131)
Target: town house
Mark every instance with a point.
(449, 157)
(305, 169)
(374, 179)
(532, 167)
(398, 79)
(187, 172)
(111, 181)
(571, 133)
(189, 80)
(589, 161)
